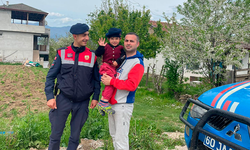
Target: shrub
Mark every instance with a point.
(172, 74)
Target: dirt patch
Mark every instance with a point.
(85, 144)
(21, 90)
(88, 144)
(176, 135)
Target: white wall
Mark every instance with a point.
(5, 18)
(46, 64)
(16, 46)
(159, 61)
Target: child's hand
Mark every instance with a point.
(101, 42)
(115, 63)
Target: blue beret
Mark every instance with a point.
(114, 32)
(79, 28)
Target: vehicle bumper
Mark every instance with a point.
(200, 126)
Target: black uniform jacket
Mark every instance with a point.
(77, 74)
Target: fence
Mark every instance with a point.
(237, 75)
(241, 77)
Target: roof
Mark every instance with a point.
(22, 7)
(164, 24)
(20, 11)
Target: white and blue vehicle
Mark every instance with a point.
(219, 119)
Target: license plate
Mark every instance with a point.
(215, 145)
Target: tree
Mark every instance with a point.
(211, 33)
(174, 48)
(118, 14)
(59, 43)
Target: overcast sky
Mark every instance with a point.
(69, 12)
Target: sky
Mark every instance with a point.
(69, 12)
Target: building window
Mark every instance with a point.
(45, 57)
(42, 40)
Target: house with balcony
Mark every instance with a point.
(23, 35)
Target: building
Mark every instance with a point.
(23, 35)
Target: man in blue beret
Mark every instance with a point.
(77, 73)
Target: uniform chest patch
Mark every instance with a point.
(86, 57)
(69, 55)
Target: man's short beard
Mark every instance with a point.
(131, 52)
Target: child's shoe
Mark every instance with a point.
(101, 111)
(104, 106)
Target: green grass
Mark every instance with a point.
(153, 114)
(162, 111)
(40, 73)
(3, 107)
(196, 89)
(8, 63)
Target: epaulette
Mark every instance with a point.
(61, 49)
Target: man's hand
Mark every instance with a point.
(115, 63)
(52, 103)
(106, 79)
(101, 42)
(93, 104)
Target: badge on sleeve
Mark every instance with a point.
(53, 63)
(86, 57)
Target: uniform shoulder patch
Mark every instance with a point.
(62, 48)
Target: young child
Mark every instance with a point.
(113, 56)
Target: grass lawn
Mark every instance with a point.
(162, 111)
(153, 114)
